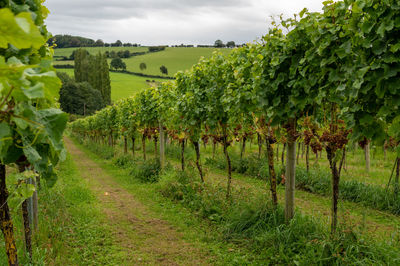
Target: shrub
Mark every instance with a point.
(146, 171)
(123, 161)
(180, 186)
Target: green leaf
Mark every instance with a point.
(31, 154)
(341, 87)
(21, 123)
(366, 119)
(54, 121)
(394, 129)
(395, 48)
(19, 30)
(5, 139)
(34, 92)
(50, 82)
(367, 26)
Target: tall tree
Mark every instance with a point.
(219, 44)
(105, 80)
(230, 44)
(95, 70)
(117, 63)
(81, 65)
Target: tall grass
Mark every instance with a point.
(254, 223)
(319, 181)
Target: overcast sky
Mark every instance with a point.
(154, 22)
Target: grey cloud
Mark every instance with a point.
(121, 9)
(170, 21)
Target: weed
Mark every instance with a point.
(146, 171)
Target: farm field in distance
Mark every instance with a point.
(123, 85)
(174, 58)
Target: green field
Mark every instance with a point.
(123, 85)
(174, 58)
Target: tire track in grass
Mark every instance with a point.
(149, 240)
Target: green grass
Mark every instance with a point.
(71, 231)
(174, 58)
(123, 85)
(95, 50)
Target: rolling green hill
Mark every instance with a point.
(123, 85)
(174, 58)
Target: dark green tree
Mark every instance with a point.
(127, 54)
(142, 66)
(81, 65)
(164, 70)
(117, 63)
(105, 80)
(78, 97)
(230, 44)
(118, 43)
(113, 54)
(99, 43)
(219, 44)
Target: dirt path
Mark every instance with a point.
(149, 240)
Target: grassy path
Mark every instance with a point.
(148, 239)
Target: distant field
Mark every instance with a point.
(174, 58)
(122, 85)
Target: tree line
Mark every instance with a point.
(68, 41)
